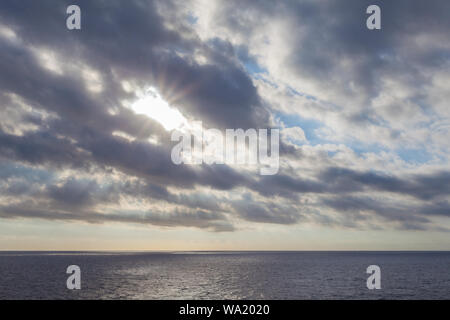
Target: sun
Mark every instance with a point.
(154, 106)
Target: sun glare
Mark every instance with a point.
(153, 105)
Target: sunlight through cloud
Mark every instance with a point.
(154, 106)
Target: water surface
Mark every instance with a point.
(225, 275)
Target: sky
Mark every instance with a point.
(86, 118)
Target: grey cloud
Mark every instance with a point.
(80, 193)
(131, 38)
(198, 219)
(408, 216)
(251, 210)
(420, 186)
(41, 148)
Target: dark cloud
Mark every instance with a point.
(199, 219)
(421, 186)
(41, 148)
(80, 193)
(131, 40)
(251, 210)
(406, 216)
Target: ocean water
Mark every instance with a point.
(225, 275)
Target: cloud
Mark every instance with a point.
(352, 104)
(198, 219)
(424, 187)
(370, 87)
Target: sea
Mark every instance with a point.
(225, 275)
